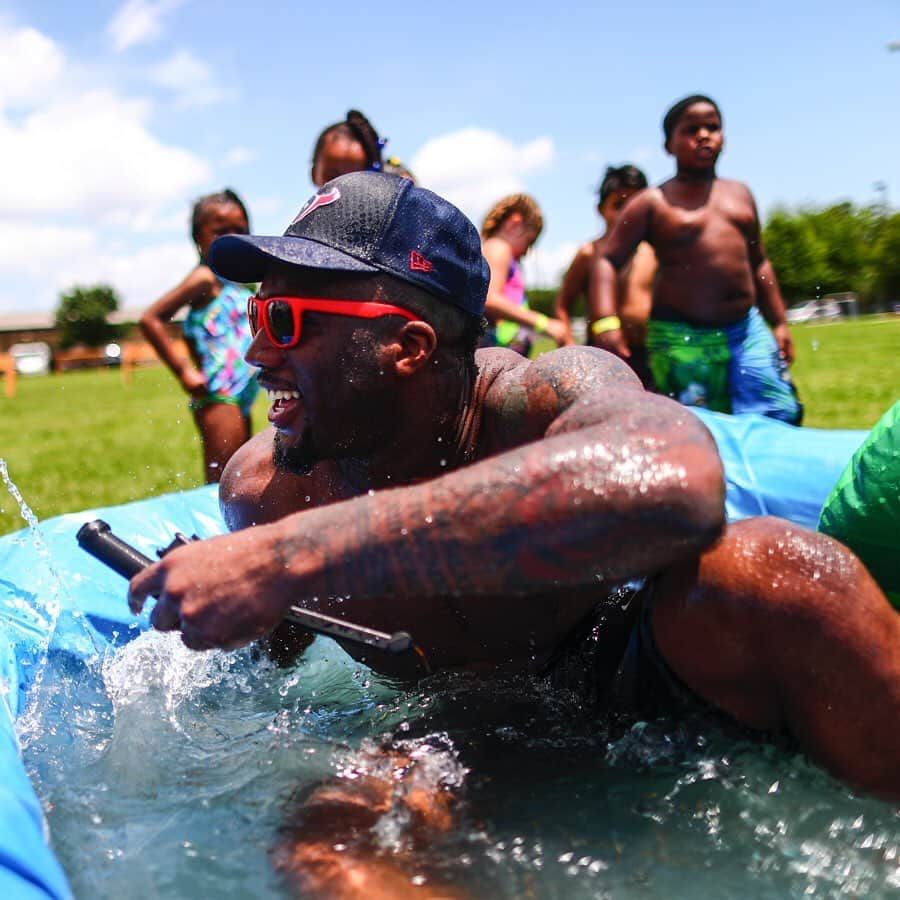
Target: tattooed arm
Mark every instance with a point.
(586, 477)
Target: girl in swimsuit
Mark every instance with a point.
(221, 385)
(509, 230)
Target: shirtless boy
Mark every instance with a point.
(635, 283)
(494, 505)
(707, 342)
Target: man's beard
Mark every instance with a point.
(298, 459)
(364, 434)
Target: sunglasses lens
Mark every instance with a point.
(281, 321)
(253, 315)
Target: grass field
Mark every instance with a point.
(84, 439)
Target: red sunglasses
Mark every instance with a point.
(281, 317)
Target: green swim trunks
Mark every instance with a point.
(732, 369)
(863, 509)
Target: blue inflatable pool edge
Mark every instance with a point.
(774, 469)
(56, 598)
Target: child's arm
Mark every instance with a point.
(768, 294)
(196, 289)
(496, 306)
(632, 227)
(574, 284)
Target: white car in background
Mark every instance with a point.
(814, 309)
(32, 358)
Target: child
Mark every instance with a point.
(221, 385)
(635, 283)
(352, 146)
(509, 230)
(708, 344)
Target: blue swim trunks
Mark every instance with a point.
(735, 369)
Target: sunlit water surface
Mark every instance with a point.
(166, 773)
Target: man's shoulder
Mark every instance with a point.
(522, 397)
(499, 366)
(253, 491)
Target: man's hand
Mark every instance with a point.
(785, 342)
(218, 592)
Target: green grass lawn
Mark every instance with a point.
(85, 439)
(848, 371)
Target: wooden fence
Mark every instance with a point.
(134, 353)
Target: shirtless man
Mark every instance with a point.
(491, 505)
(707, 342)
(635, 281)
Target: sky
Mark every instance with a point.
(115, 116)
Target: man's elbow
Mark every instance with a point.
(704, 500)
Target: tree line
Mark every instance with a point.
(815, 251)
(821, 250)
(828, 250)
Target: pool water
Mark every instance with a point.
(167, 773)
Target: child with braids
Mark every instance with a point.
(510, 229)
(635, 281)
(221, 385)
(351, 146)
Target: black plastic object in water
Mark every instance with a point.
(97, 538)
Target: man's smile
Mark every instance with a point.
(284, 405)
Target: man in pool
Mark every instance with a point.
(492, 505)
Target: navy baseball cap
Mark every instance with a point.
(370, 222)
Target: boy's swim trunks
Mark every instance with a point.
(735, 369)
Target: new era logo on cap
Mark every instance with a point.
(418, 263)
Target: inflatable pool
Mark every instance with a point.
(161, 770)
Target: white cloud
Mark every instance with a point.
(191, 80)
(139, 276)
(30, 65)
(643, 155)
(474, 167)
(91, 154)
(41, 261)
(543, 266)
(139, 22)
(88, 193)
(238, 156)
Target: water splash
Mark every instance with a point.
(35, 611)
(30, 617)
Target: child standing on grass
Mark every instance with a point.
(635, 283)
(707, 342)
(221, 385)
(510, 229)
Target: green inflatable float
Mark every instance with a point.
(863, 509)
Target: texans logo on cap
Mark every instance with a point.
(322, 199)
